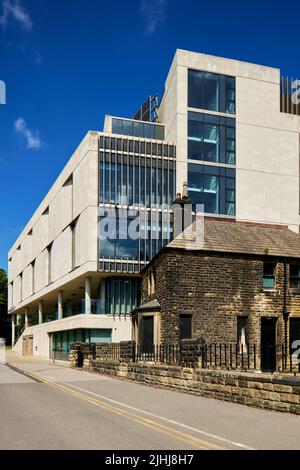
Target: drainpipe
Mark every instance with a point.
(285, 311)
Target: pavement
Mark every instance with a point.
(45, 406)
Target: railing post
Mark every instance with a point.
(242, 356)
(215, 354)
(248, 351)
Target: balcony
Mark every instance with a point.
(75, 308)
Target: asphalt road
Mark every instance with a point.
(46, 406)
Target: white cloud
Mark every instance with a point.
(15, 9)
(154, 13)
(38, 58)
(33, 140)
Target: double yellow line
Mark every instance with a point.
(171, 432)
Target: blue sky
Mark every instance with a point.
(68, 62)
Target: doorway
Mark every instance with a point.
(147, 334)
(27, 346)
(268, 344)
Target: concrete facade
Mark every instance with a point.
(66, 222)
(267, 140)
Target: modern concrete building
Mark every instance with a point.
(228, 128)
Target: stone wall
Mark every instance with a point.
(82, 353)
(270, 393)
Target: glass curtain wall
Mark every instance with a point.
(212, 141)
(137, 181)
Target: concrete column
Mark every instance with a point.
(40, 311)
(60, 305)
(26, 317)
(88, 303)
(13, 330)
(102, 296)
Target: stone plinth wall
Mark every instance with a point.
(257, 390)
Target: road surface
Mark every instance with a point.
(47, 406)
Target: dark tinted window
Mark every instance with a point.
(185, 326)
(211, 91)
(295, 276)
(211, 138)
(212, 186)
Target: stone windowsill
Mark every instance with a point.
(269, 290)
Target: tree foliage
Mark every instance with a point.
(3, 287)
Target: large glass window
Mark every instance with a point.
(214, 187)
(211, 138)
(138, 129)
(138, 181)
(211, 91)
(122, 295)
(115, 240)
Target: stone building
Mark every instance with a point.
(239, 284)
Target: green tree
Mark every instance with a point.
(4, 320)
(3, 289)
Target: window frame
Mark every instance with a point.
(225, 84)
(225, 134)
(267, 276)
(293, 277)
(189, 316)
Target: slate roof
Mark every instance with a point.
(239, 237)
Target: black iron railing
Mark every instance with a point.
(228, 356)
(163, 353)
(290, 359)
(192, 353)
